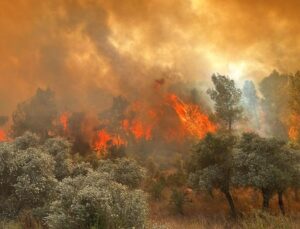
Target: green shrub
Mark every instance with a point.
(96, 201)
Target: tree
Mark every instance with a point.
(60, 150)
(35, 178)
(96, 201)
(26, 176)
(275, 92)
(3, 120)
(265, 164)
(227, 99)
(211, 165)
(294, 105)
(35, 115)
(124, 171)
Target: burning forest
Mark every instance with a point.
(149, 114)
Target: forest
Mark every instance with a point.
(179, 165)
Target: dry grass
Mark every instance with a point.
(257, 220)
(205, 211)
(10, 225)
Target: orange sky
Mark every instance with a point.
(88, 50)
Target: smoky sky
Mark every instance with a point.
(90, 50)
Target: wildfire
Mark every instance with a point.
(64, 119)
(138, 129)
(294, 128)
(142, 121)
(3, 136)
(104, 139)
(190, 115)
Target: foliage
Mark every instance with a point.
(80, 197)
(26, 141)
(96, 200)
(3, 120)
(265, 164)
(211, 165)
(294, 106)
(124, 171)
(59, 149)
(81, 168)
(35, 115)
(274, 90)
(26, 175)
(227, 99)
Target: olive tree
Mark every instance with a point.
(26, 175)
(35, 114)
(266, 164)
(124, 171)
(96, 200)
(60, 150)
(211, 165)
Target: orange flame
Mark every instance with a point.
(3, 136)
(294, 127)
(104, 139)
(138, 129)
(190, 115)
(64, 119)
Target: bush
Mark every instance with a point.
(60, 149)
(96, 201)
(124, 171)
(26, 176)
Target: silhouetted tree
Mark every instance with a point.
(35, 115)
(274, 90)
(294, 105)
(3, 120)
(227, 99)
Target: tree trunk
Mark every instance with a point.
(280, 202)
(266, 199)
(229, 125)
(230, 203)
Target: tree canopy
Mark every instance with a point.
(211, 165)
(227, 99)
(35, 115)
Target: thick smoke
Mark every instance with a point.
(88, 51)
